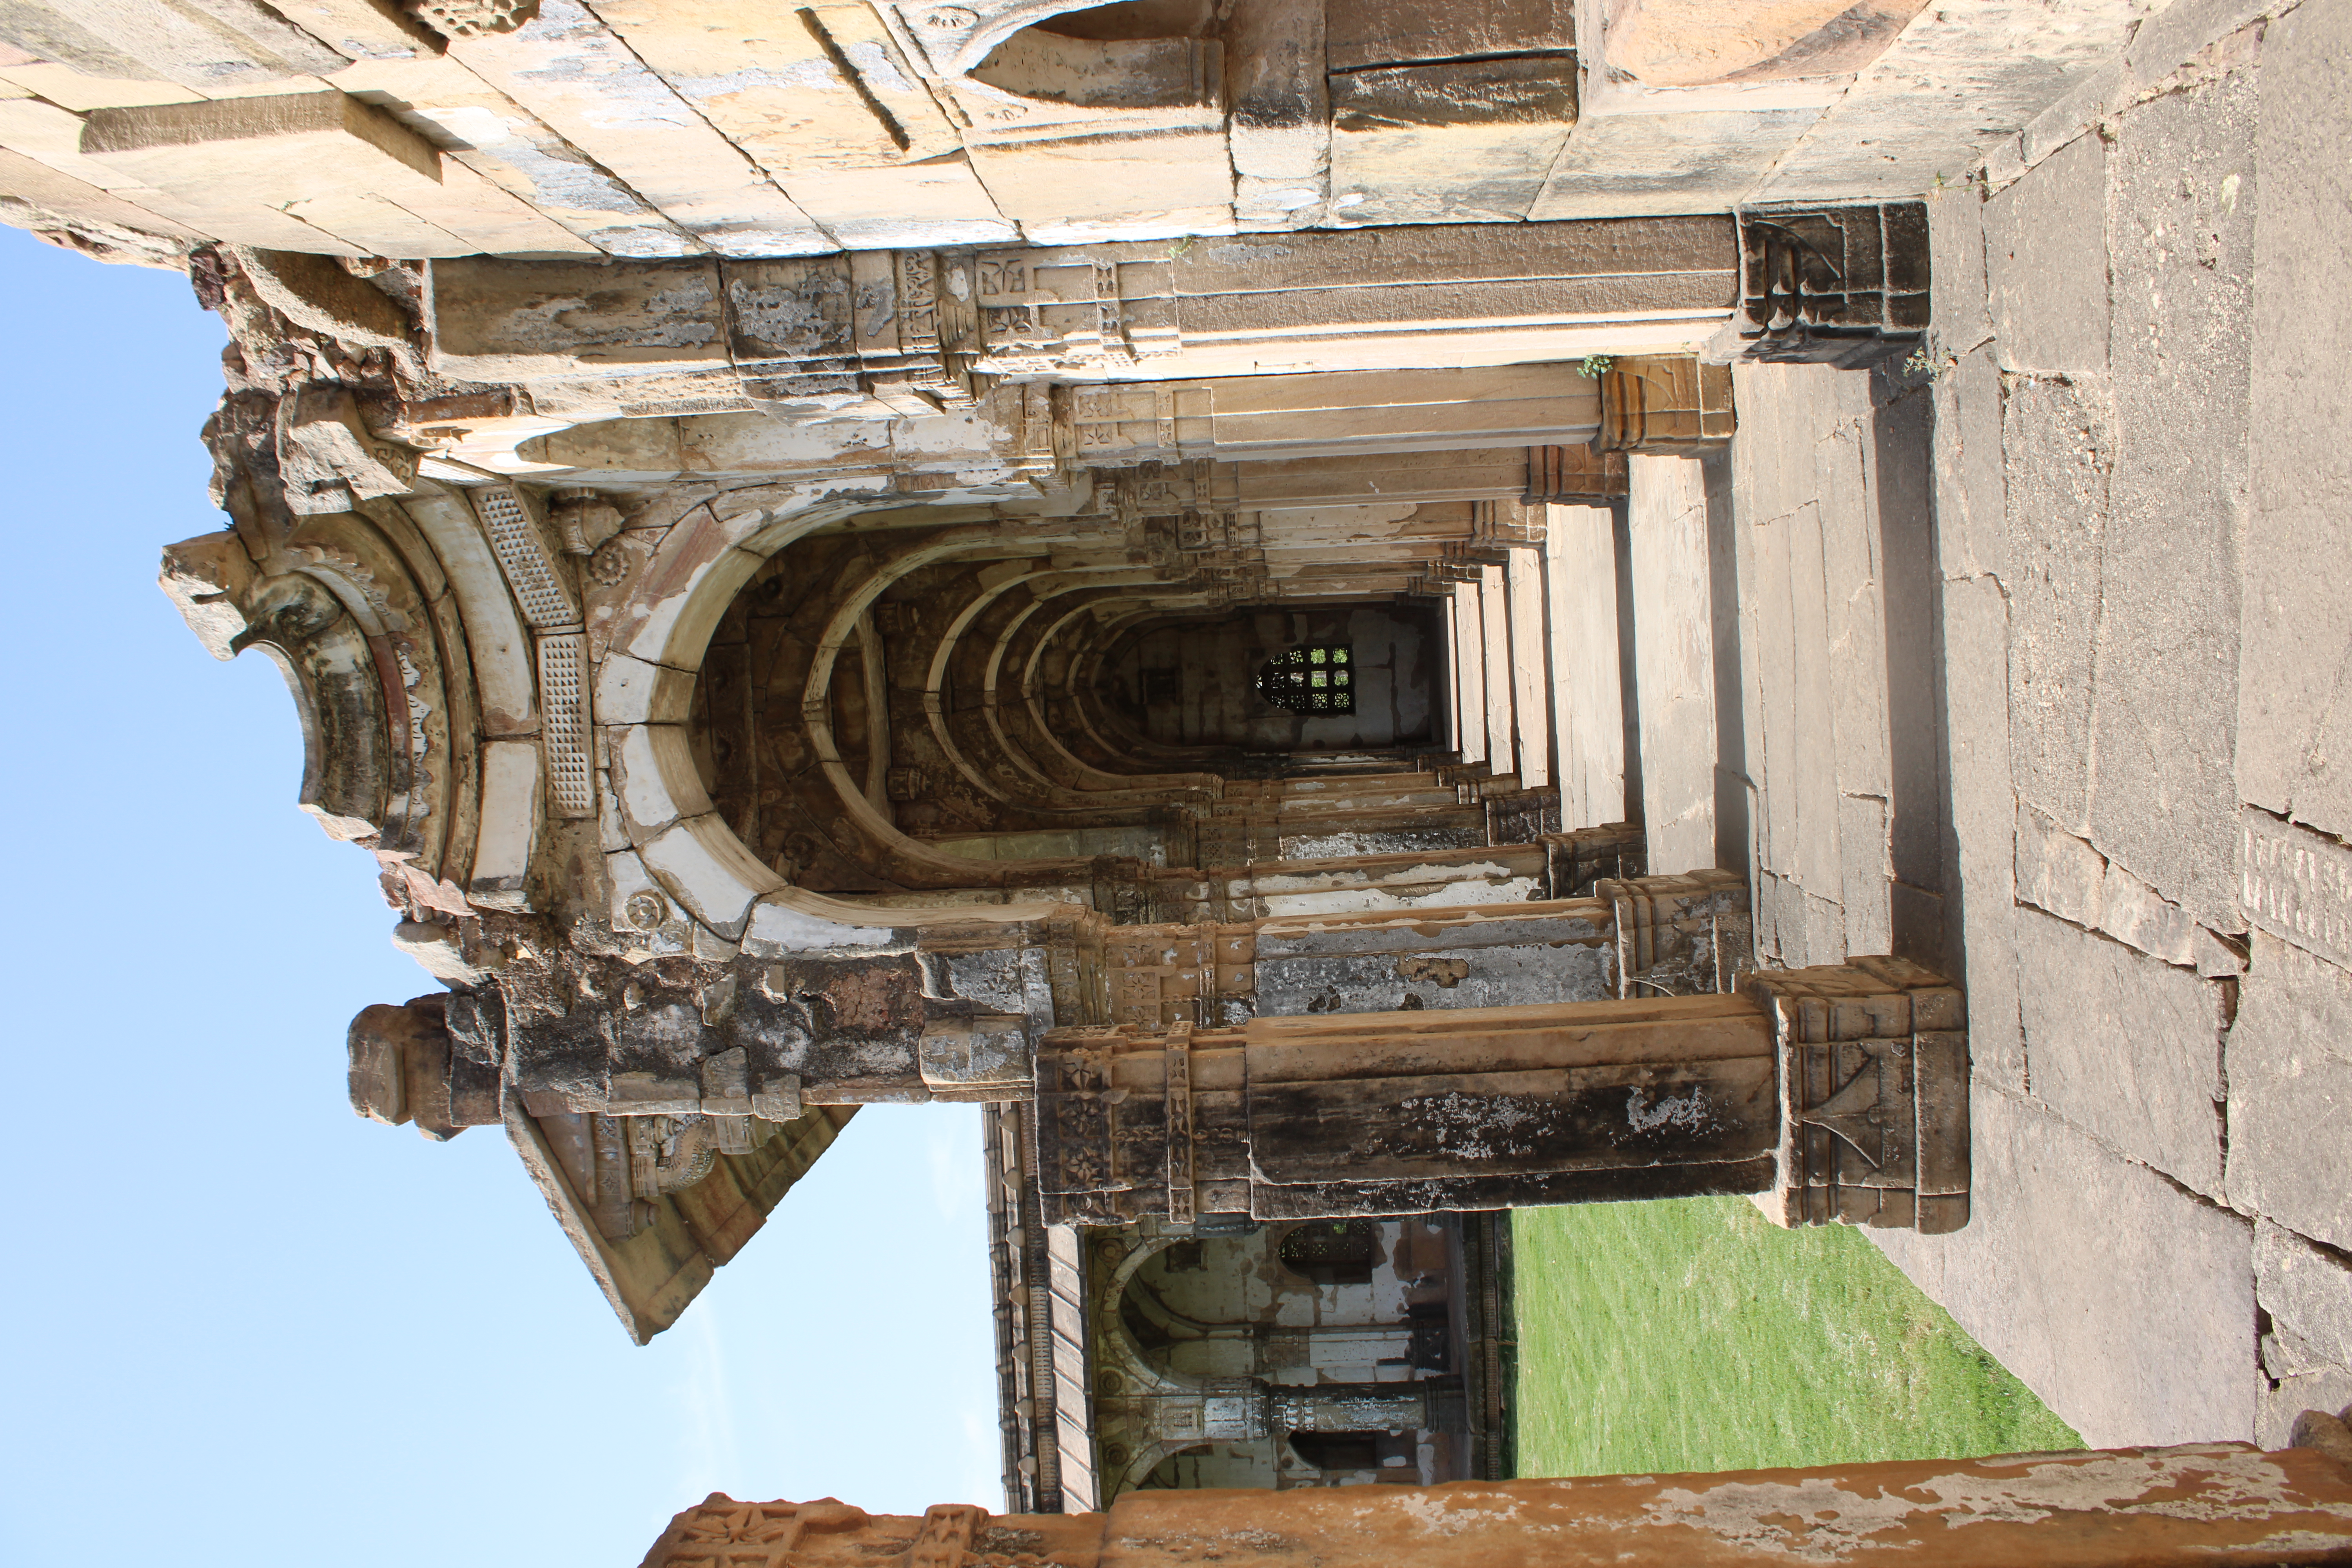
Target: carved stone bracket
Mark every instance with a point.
(1834, 269)
(1874, 1092)
(1663, 403)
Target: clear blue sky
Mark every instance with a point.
(244, 1327)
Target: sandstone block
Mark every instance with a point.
(1406, 32)
(1465, 141)
(585, 82)
(1053, 189)
(2046, 263)
(2307, 1290)
(35, 194)
(2122, 1301)
(2291, 1091)
(2292, 718)
(223, 46)
(517, 322)
(2124, 1047)
(344, 167)
(1668, 161)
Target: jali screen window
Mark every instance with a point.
(1315, 679)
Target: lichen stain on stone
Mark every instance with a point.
(2231, 1484)
(1811, 1522)
(1474, 1127)
(862, 1000)
(1687, 1112)
(1441, 1514)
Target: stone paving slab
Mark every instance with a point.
(2125, 1047)
(2143, 509)
(2294, 697)
(2124, 1303)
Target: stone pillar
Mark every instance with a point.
(2220, 1505)
(1841, 1091)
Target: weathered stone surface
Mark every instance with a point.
(2119, 1300)
(586, 84)
(2181, 204)
(2046, 264)
(1675, 160)
(1689, 43)
(325, 159)
(1402, 32)
(2291, 1091)
(1674, 660)
(1956, 235)
(2282, 1406)
(2124, 1047)
(1280, 134)
(2307, 1290)
(2291, 722)
(1588, 688)
(2058, 437)
(1404, 137)
(1922, 109)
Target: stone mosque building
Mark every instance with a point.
(1339, 615)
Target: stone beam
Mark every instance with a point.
(1839, 1090)
(2227, 1505)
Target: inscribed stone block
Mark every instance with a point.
(2295, 884)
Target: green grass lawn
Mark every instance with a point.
(1695, 1335)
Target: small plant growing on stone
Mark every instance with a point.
(1921, 362)
(1595, 366)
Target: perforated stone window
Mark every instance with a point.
(1317, 679)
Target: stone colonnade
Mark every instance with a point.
(713, 654)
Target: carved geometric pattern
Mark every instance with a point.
(945, 1539)
(738, 1535)
(539, 585)
(1312, 679)
(564, 721)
